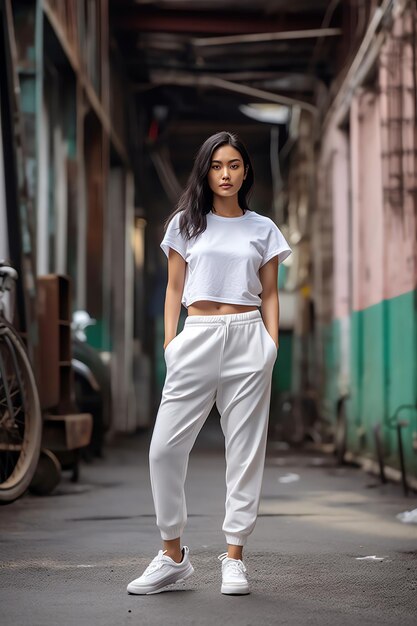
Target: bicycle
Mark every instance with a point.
(20, 411)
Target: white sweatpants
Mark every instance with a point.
(227, 359)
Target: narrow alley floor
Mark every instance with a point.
(67, 558)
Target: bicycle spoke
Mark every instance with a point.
(15, 413)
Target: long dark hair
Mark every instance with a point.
(197, 198)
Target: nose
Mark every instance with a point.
(225, 175)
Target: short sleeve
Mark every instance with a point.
(173, 238)
(276, 245)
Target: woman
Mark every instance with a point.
(221, 257)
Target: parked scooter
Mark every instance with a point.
(92, 383)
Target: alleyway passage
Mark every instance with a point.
(66, 559)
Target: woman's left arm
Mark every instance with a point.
(268, 275)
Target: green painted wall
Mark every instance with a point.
(281, 375)
(329, 379)
(383, 376)
(98, 336)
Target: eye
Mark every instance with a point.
(235, 166)
(213, 167)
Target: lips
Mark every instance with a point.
(226, 186)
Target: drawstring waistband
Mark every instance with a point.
(227, 318)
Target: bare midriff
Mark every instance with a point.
(209, 307)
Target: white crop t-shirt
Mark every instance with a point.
(223, 262)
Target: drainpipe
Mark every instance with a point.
(361, 65)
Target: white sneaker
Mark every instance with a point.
(161, 572)
(234, 578)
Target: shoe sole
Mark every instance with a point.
(172, 580)
(235, 590)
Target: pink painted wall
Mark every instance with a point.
(399, 163)
(341, 210)
(373, 170)
(334, 169)
(367, 206)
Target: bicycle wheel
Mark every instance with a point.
(20, 417)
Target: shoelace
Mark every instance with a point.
(155, 563)
(236, 564)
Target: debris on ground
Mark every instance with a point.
(289, 478)
(408, 517)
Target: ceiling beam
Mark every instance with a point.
(231, 23)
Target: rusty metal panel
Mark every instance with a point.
(48, 316)
(67, 432)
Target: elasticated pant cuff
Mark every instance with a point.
(234, 540)
(172, 533)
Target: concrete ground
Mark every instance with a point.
(67, 558)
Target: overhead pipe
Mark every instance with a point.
(331, 8)
(310, 33)
(361, 64)
(189, 80)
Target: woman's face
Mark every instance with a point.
(227, 171)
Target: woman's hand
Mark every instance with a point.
(166, 344)
(275, 341)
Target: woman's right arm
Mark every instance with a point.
(174, 290)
